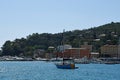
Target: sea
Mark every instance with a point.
(42, 70)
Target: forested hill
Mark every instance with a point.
(97, 36)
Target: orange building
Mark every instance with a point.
(75, 53)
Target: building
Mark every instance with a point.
(75, 53)
(39, 53)
(94, 55)
(109, 51)
(87, 46)
(62, 48)
(118, 51)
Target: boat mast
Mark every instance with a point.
(63, 43)
(119, 48)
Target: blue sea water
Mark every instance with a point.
(38, 70)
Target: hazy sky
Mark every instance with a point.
(19, 18)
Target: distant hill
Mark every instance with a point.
(96, 36)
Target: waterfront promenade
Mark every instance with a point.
(77, 61)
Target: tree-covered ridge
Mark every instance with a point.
(97, 36)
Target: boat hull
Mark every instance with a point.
(66, 66)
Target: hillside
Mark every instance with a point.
(97, 36)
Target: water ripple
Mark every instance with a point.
(36, 70)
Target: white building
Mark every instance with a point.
(62, 48)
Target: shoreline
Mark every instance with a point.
(76, 61)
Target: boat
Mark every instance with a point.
(66, 64)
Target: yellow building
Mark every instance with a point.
(109, 51)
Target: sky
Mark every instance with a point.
(20, 18)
